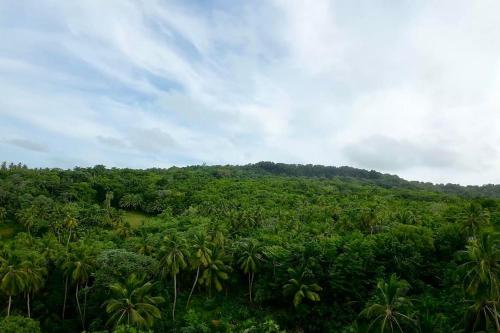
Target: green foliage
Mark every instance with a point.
(482, 270)
(473, 218)
(132, 303)
(116, 264)
(215, 273)
(3, 214)
(257, 248)
(298, 289)
(389, 312)
(18, 324)
(481, 283)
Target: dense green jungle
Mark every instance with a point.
(264, 247)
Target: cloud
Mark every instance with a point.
(410, 86)
(110, 141)
(27, 144)
(385, 153)
(314, 39)
(153, 140)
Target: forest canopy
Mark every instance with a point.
(265, 247)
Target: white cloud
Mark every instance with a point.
(27, 144)
(315, 42)
(130, 83)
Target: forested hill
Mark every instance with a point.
(260, 248)
(382, 179)
(266, 168)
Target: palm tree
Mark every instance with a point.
(24, 240)
(201, 256)
(482, 267)
(215, 273)
(27, 217)
(368, 219)
(406, 216)
(131, 201)
(387, 314)
(483, 315)
(248, 259)
(3, 214)
(13, 277)
(473, 218)
(70, 223)
(145, 245)
(78, 266)
(173, 258)
(107, 206)
(481, 282)
(297, 287)
(216, 235)
(107, 200)
(132, 302)
(49, 247)
(64, 263)
(35, 273)
(122, 229)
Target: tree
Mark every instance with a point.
(216, 235)
(27, 218)
(368, 219)
(299, 289)
(122, 229)
(107, 200)
(215, 273)
(173, 258)
(70, 223)
(114, 264)
(473, 218)
(388, 312)
(483, 315)
(18, 324)
(64, 263)
(107, 206)
(35, 272)
(13, 277)
(78, 266)
(130, 329)
(129, 200)
(201, 256)
(133, 303)
(3, 214)
(145, 244)
(250, 255)
(482, 271)
(406, 216)
(49, 247)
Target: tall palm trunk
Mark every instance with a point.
(28, 303)
(175, 296)
(85, 303)
(251, 277)
(495, 315)
(78, 305)
(69, 237)
(194, 285)
(8, 307)
(65, 296)
(250, 286)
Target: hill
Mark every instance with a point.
(264, 247)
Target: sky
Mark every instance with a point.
(404, 87)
